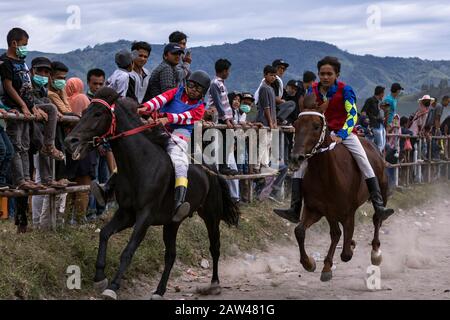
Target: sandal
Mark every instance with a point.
(39, 185)
(56, 184)
(52, 152)
(27, 186)
(67, 182)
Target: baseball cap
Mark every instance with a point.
(173, 48)
(247, 95)
(41, 62)
(294, 83)
(124, 58)
(396, 87)
(280, 62)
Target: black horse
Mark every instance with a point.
(145, 189)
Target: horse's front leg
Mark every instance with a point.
(139, 232)
(308, 219)
(170, 240)
(120, 221)
(335, 234)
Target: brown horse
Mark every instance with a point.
(333, 187)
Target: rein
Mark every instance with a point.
(317, 149)
(111, 133)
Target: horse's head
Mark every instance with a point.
(97, 120)
(310, 130)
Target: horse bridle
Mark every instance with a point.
(111, 133)
(317, 148)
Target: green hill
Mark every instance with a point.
(250, 56)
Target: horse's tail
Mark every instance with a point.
(230, 211)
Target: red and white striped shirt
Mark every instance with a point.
(185, 118)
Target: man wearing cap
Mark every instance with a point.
(420, 117)
(391, 102)
(120, 80)
(164, 77)
(284, 108)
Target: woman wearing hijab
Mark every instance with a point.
(81, 171)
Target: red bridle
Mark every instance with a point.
(111, 133)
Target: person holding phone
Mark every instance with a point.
(184, 67)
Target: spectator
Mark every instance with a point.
(308, 79)
(391, 103)
(105, 158)
(435, 115)
(120, 80)
(267, 115)
(363, 128)
(375, 114)
(239, 116)
(218, 99)
(141, 76)
(56, 92)
(432, 128)
(284, 109)
(41, 70)
(420, 117)
(184, 66)
(405, 144)
(18, 95)
(76, 98)
(6, 153)
(81, 171)
(95, 80)
(164, 77)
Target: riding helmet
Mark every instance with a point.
(202, 78)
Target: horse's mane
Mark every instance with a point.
(129, 107)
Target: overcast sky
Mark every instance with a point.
(406, 28)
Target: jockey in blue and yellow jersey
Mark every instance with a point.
(341, 116)
(180, 109)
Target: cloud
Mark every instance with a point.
(405, 28)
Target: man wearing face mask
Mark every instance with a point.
(40, 73)
(18, 88)
(57, 83)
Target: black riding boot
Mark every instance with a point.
(293, 213)
(104, 193)
(377, 199)
(182, 208)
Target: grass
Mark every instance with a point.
(33, 265)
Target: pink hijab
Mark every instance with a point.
(78, 101)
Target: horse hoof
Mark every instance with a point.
(212, 290)
(109, 294)
(310, 266)
(101, 286)
(376, 257)
(157, 297)
(326, 276)
(346, 257)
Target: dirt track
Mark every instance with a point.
(416, 258)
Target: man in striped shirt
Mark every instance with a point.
(218, 99)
